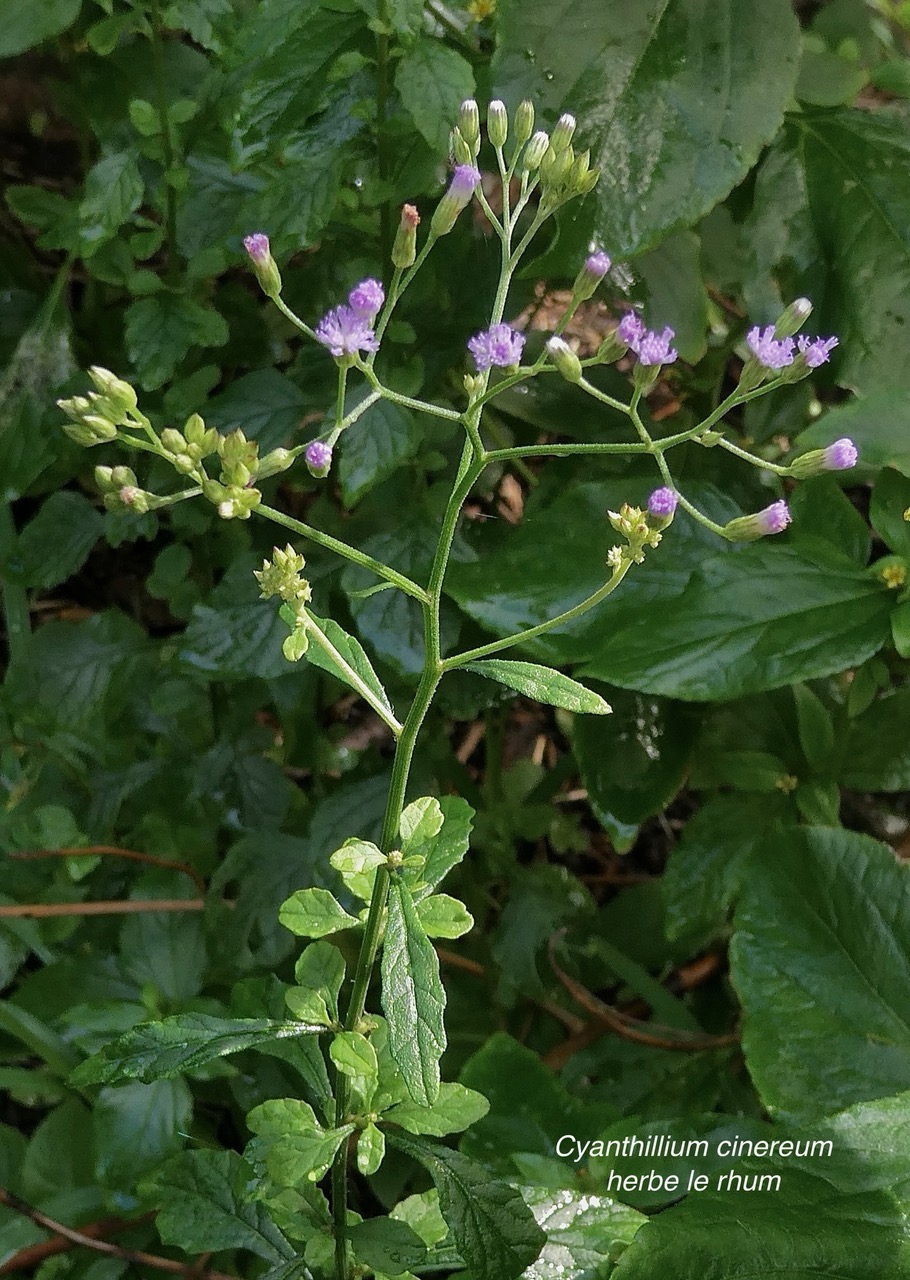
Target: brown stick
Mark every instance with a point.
(114, 851)
(13, 1202)
(655, 1034)
(34, 1254)
(455, 961)
(118, 907)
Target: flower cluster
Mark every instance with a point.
(500, 346)
(775, 352)
(652, 348)
(347, 329)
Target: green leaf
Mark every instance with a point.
(420, 824)
(354, 1056)
(320, 973)
(674, 108)
(876, 749)
(159, 1050)
(446, 850)
(816, 727)
(541, 898)
(297, 1148)
(356, 862)
(543, 684)
(137, 1126)
(265, 403)
(162, 329)
(413, 997)
(675, 292)
(491, 1226)
(585, 1233)
(890, 499)
(444, 917)
(113, 191)
(821, 962)
(750, 621)
(26, 24)
(456, 1109)
(378, 443)
(432, 81)
(352, 652)
(370, 1150)
(387, 1245)
(878, 424)
(203, 1206)
(314, 913)
(56, 542)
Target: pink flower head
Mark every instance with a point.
(654, 348)
(841, 456)
(257, 246)
(773, 353)
(465, 179)
(500, 345)
(816, 351)
(345, 333)
(598, 264)
(631, 330)
(774, 519)
(662, 502)
(366, 299)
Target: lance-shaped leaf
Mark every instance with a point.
(543, 684)
(413, 997)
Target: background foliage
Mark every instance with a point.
(717, 851)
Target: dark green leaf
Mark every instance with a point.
(433, 80)
(490, 1225)
(543, 684)
(585, 1233)
(56, 542)
(157, 1050)
(890, 499)
(113, 191)
(387, 1245)
(160, 330)
(26, 24)
(375, 446)
(675, 292)
(413, 997)
(351, 652)
(675, 107)
(137, 1126)
(878, 424)
(821, 961)
(267, 406)
(876, 749)
(203, 1206)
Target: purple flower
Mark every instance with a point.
(464, 183)
(774, 519)
(366, 299)
(662, 502)
(816, 351)
(631, 330)
(257, 246)
(598, 264)
(500, 345)
(773, 353)
(842, 455)
(345, 333)
(654, 348)
(318, 458)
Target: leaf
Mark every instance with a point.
(137, 1126)
(490, 1224)
(432, 81)
(297, 1148)
(585, 1233)
(876, 750)
(377, 444)
(267, 405)
(890, 499)
(159, 1050)
(541, 898)
(370, 1150)
(354, 1056)
(543, 684)
(674, 107)
(56, 542)
(352, 652)
(314, 913)
(113, 191)
(751, 621)
(26, 24)
(675, 292)
(821, 962)
(413, 997)
(387, 1245)
(879, 426)
(162, 329)
(446, 850)
(203, 1206)
(420, 824)
(455, 1109)
(444, 917)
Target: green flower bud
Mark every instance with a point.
(563, 133)
(404, 250)
(524, 122)
(793, 318)
(469, 125)
(282, 576)
(103, 429)
(120, 394)
(497, 123)
(264, 266)
(565, 359)
(273, 463)
(172, 441)
(76, 407)
(535, 151)
(194, 429)
(461, 149)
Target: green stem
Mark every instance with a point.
(754, 458)
(343, 549)
(294, 318)
(167, 144)
(408, 402)
(563, 451)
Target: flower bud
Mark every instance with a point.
(524, 122)
(563, 133)
(469, 124)
(462, 151)
(497, 123)
(264, 266)
(536, 150)
(119, 394)
(840, 456)
(172, 441)
(404, 250)
(773, 519)
(318, 458)
(462, 186)
(565, 359)
(793, 319)
(274, 462)
(661, 508)
(193, 430)
(595, 268)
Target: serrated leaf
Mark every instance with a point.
(433, 80)
(585, 1233)
(320, 973)
(353, 1055)
(381, 440)
(314, 913)
(203, 1206)
(56, 542)
(159, 1050)
(387, 1245)
(413, 997)
(356, 862)
(447, 848)
(490, 1225)
(456, 1109)
(820, 959)
(113, 191)
(162, 329)
(543, 684)
(297, 1148)
(421, 822)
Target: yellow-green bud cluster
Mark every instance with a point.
(563, 174)
(186, 449)
(94, 418)
(239, 459)
(120, 491)
(282, 576)
(639, 533)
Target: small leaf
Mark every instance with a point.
(456, 1109)
(420, 823)
(413, 997)
(543, 684)
(585, 1233)
(352, 652)
(370, 1150)
(444, 917)
(313, 913)
(159, 1050)
(447, 848)
(354, 1056)
(320, 973)
(297, 1148)
(387, 1245)
(356, 861)
(490, 1224)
